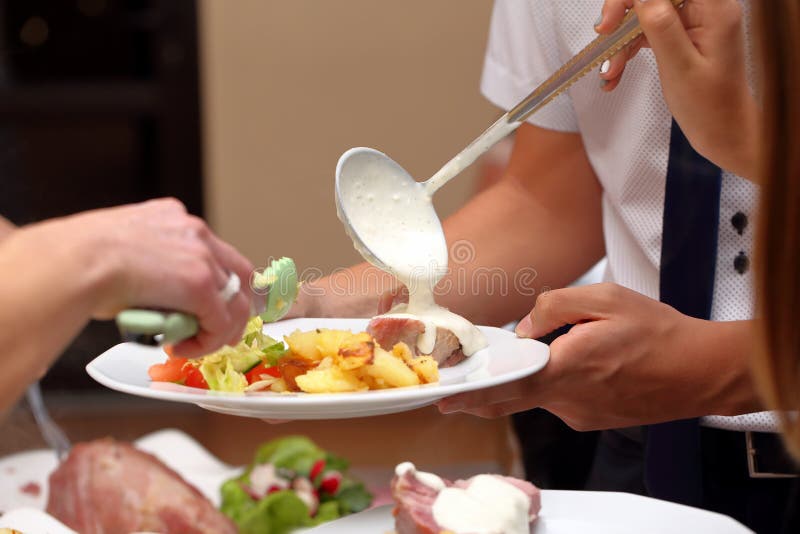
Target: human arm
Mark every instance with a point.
(58, 274)
(700, 51)
(629, 360)
(542, 217)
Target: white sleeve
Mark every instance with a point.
(523, 51)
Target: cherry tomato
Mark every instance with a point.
(254, 374)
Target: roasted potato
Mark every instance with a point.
(425, 366)
(304, 344)
(391, 370)
(329, 341)
(332, 361)
(355, 351)
(329, 378)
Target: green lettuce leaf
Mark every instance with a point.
(296, 453)
(221, 375)
(274, 352)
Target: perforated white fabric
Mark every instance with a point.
(626, 135)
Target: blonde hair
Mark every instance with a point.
(777, 361)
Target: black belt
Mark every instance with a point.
(749, 454)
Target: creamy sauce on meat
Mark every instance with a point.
(489, 505)
(428, 479)
(421, 306)
(396, 220)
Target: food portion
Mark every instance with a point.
(291, 484)
(428, 328)
(426, 503)
(106, 486)
(389, 331)
(338, 361)
(317, 361)
(253, 360)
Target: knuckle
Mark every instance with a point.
(171, 203)
(661, 18)
(546, 303)
(610, 291)
(200, 279)
(197, 226)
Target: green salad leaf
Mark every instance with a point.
(278, 513)
(224, 369)
(281, 511)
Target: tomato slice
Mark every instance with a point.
(254, 374)
(194, 378)
(169, 371)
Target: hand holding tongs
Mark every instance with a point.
(277, 284)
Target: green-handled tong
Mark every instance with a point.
(277, 284)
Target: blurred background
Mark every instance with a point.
(240, 109)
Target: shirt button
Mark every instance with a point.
(739, 222)
(741, 263)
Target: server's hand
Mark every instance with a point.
(700, 51)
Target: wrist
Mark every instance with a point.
(92, 260)
(729, 388)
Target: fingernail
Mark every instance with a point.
(605, 67)
(599, 20)
(603, 83)
(642, 1)
(524, 327)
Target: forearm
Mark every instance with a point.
(502, 259)
(46, 293)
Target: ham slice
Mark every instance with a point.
(413, 512)
(389, 331)
(414, 502)
(108, 487)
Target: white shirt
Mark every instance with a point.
(626, 134)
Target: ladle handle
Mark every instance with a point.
(595, 53)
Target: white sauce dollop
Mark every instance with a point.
(429, 479)
(489, 505)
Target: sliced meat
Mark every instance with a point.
(109, 487)
(447, 350)
(413, 512)
(389, 331)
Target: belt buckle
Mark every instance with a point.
(752, 465)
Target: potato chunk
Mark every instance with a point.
(355, 351)
(304, 344)
(329, 380)
(392, 371)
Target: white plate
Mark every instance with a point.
(507, 358)
(577, 512)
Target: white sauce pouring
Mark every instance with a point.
(395, 219)
(489, 505)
